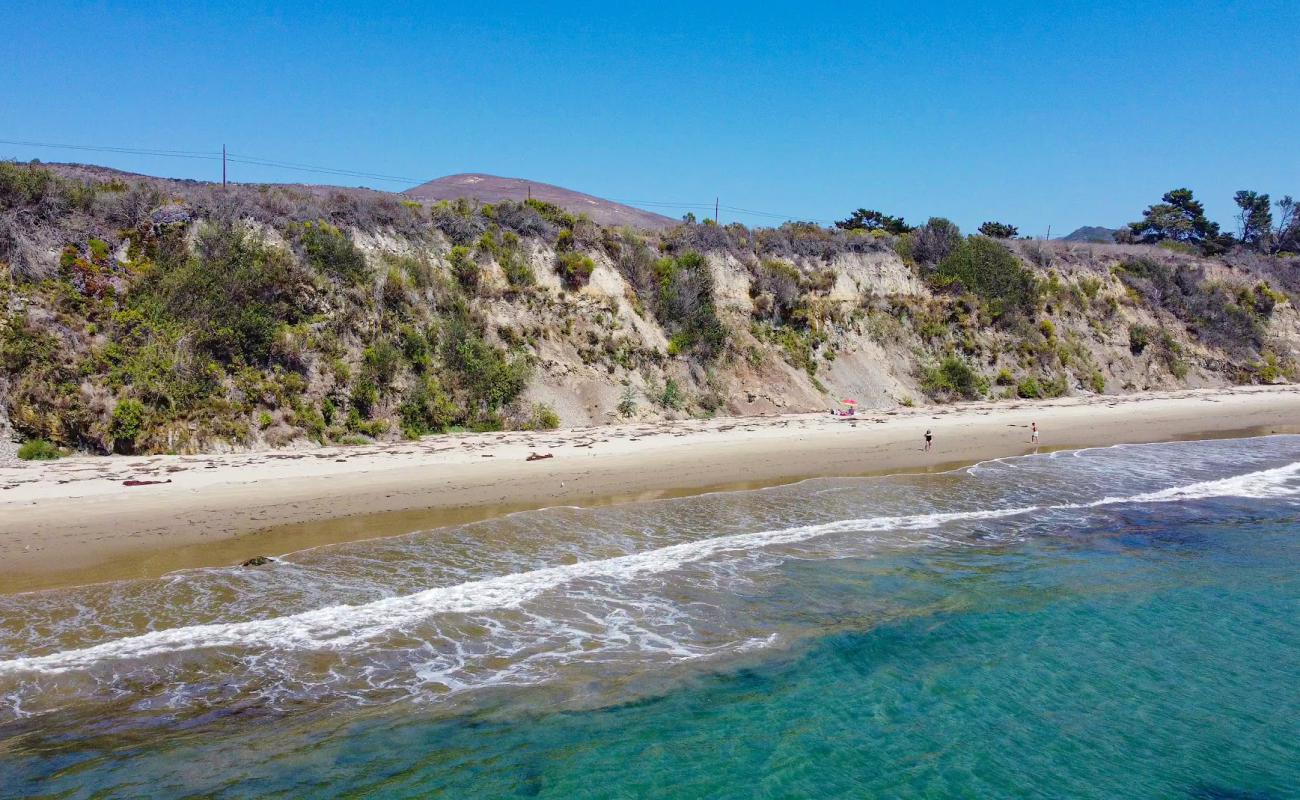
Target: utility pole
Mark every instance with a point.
(715, 212)
(223, 165)
(530, 191)
(1049, 233)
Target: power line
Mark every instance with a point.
(213, 156)
(664, 203)
(128, 150)
(290, 165)
(265, 162)
(774, 215)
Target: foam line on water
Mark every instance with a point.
(1261, 485)
(339, 627)
(343, 626)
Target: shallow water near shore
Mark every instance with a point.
(1095, 623)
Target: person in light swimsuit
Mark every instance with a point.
(1033, 432)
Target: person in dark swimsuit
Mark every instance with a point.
(927, 440)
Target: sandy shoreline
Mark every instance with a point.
(75, 520)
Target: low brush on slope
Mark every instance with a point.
(145, 315)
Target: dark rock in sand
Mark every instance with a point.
(257, 561)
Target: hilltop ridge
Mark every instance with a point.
(493, 189)
(1090, 233)
(473, 186)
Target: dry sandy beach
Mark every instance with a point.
(79, 520)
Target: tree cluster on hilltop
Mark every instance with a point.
(1178, 219)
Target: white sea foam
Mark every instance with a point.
(1263, 484)
(343, 627)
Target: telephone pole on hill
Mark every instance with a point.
(715, 212)
(223, 165)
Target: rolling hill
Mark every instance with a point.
(493, 189)
(1091, 233)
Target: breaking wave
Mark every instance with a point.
(347, 627)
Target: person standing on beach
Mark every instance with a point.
(1033, 432)
(927, 441)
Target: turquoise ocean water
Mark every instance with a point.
(1118, 622)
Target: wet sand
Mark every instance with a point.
(78, 520)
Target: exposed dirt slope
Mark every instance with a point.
(144, 315)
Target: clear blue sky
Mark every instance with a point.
(1028, 112)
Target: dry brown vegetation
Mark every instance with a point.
(151, 315)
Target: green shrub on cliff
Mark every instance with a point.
(575, 269)
(1139, 337)
(329, 250)
(684, 304)
(486, 377)
(1029, 388)
(543, 418)
(1235, 320)
(128, 422)
(953, 378)
(38, 450)
(776, 288)
(23, 345)
(427, 409)
(506, 248)
(231, 295)
(464, 268)
(988, 270)
(380, 362)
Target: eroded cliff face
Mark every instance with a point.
(877, 328)
(585, 379)
(159, 317)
